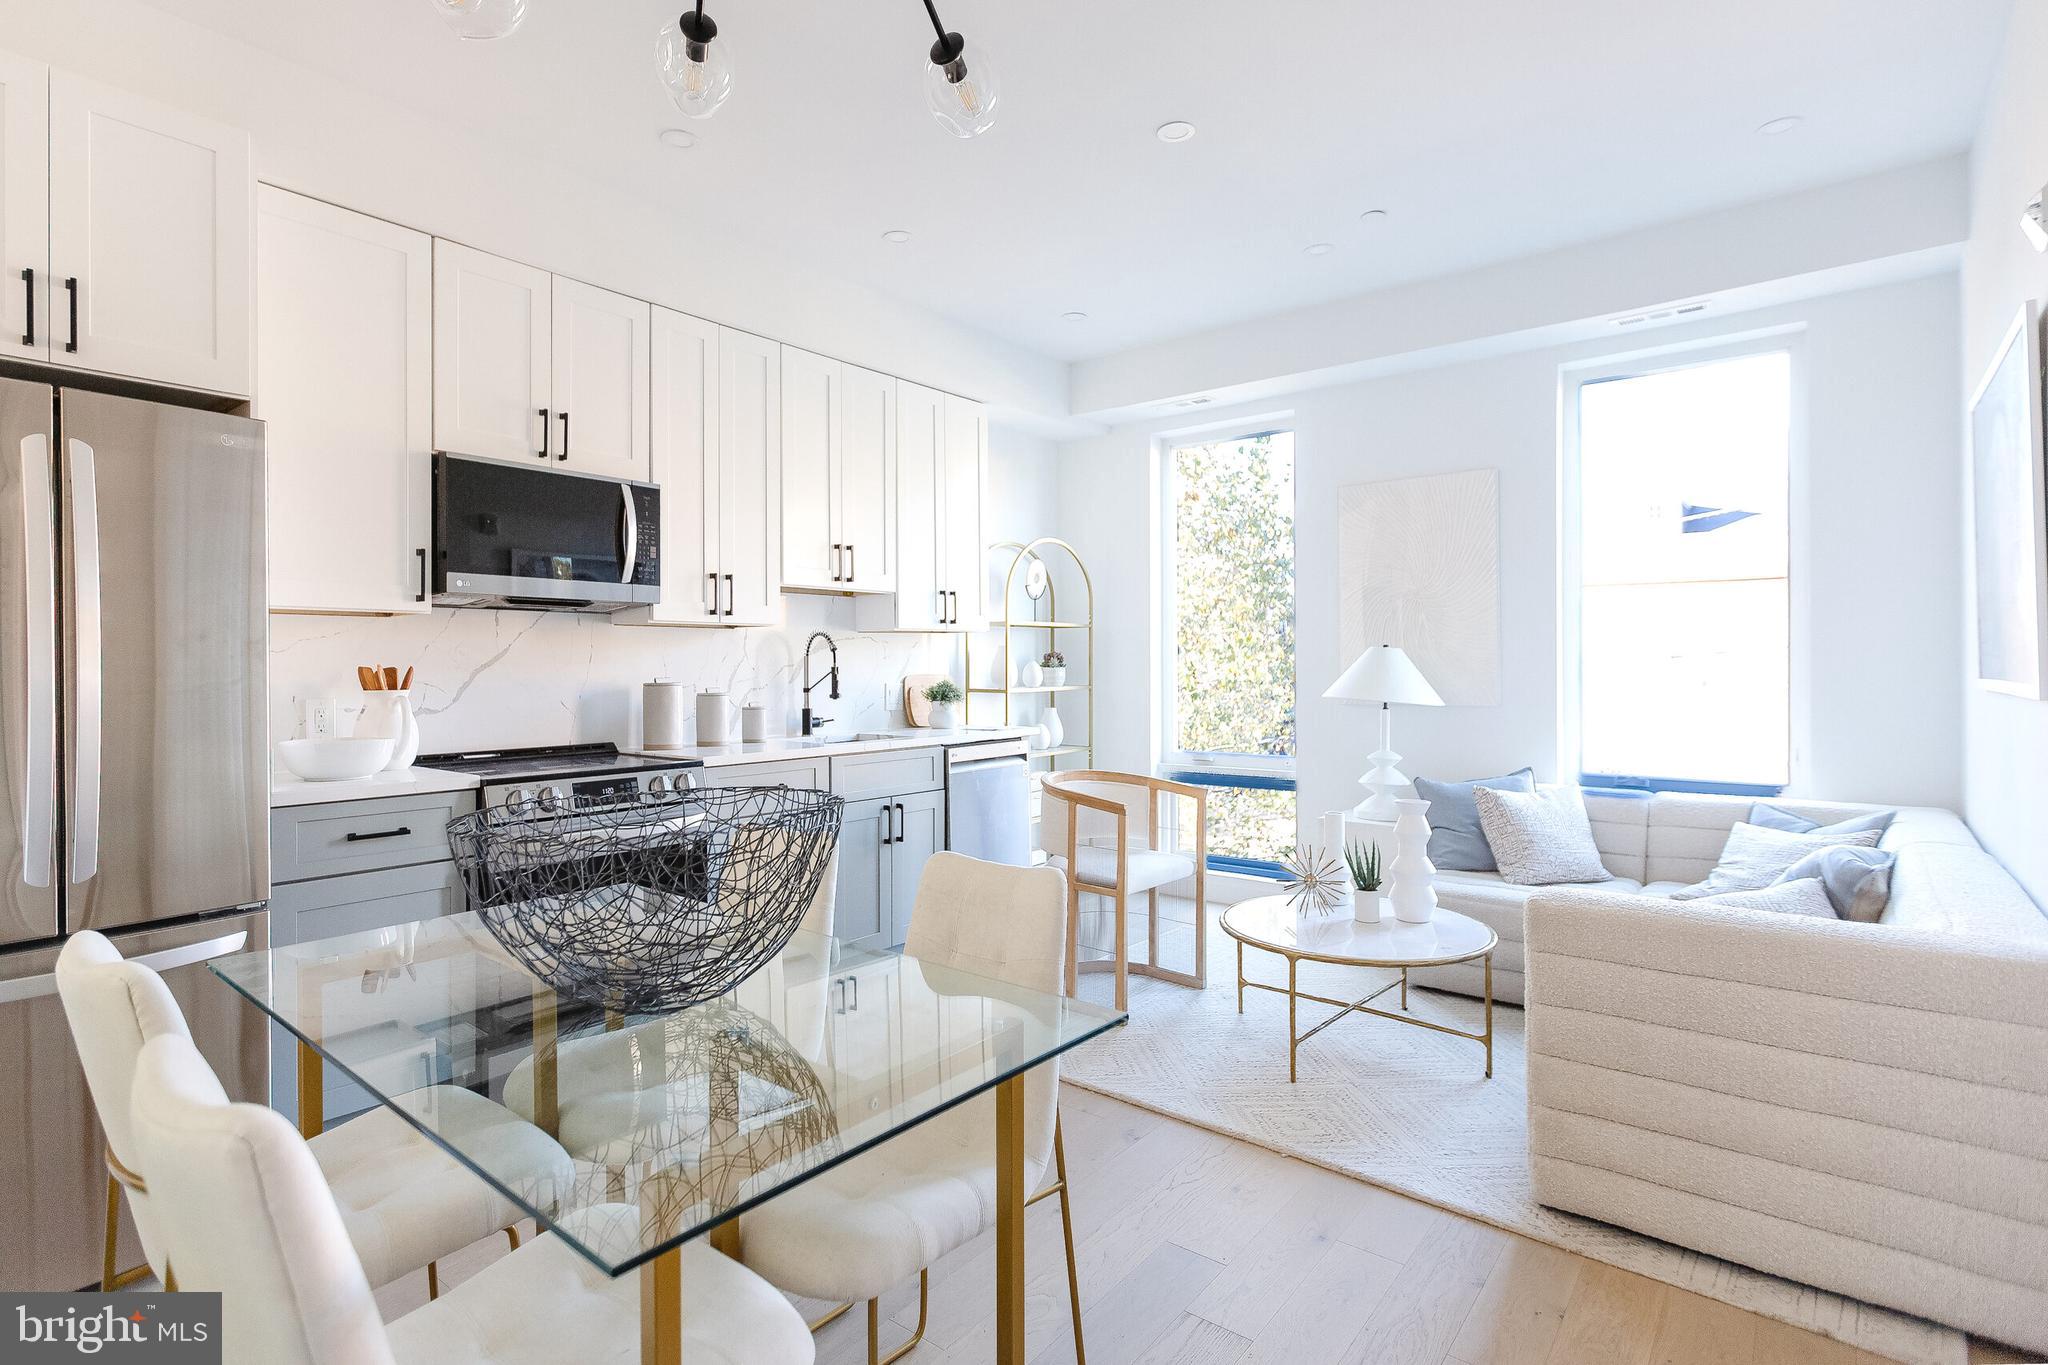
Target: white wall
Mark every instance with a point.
(2005, 738)
(1875, 503)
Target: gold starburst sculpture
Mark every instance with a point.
(1315, 883)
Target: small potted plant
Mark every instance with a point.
(945, 700)
(1364, 861)
(1053, 666)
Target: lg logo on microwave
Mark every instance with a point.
(160, 1329)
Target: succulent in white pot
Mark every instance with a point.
(1052, 665)
(945, 698)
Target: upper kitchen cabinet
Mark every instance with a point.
(941, 448)
(150, 213)
(532, 367)
(493, 338)
(600, 367)
(24, 208)
(716, 438)
(344, 313)
(838, 476)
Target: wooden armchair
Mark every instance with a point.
(1123, 807)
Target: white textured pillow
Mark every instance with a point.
(1754, 857)
(1540, 838)
(1805, 896)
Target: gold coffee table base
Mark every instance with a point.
(1362, 1005)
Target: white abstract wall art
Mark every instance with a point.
(1418, 564)
(2009, 515)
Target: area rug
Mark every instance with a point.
(1409, 1109)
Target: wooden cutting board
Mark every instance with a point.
(916, 710)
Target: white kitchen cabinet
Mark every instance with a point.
(600, 365)
(344, 384)
(838, 475)
(25, 319)
(941, 451)
(717, 419)
(493, 339)
(150, 215)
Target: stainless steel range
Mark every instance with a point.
(566, 775)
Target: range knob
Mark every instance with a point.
(657, 784)
(514, 795)
(548, 796)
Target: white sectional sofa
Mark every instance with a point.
(1860, 1107)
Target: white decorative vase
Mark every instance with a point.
(1028, 673)
(1054, 677)
(1055, 732)
(1410, 884)
(945, 715)
(388, 715)
(1365, 905)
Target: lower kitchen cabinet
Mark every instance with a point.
(883, 846)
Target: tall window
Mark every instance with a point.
(1230, 623)
(1683, 608)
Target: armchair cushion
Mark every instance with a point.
(1095, 867)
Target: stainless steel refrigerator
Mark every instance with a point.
(135, 789)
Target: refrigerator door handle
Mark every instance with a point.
(87, 687)
(39, 567)
(163, 960)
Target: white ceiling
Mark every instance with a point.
(1489, 129)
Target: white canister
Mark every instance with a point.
(714, 718)
(753, 724)
(661, 714)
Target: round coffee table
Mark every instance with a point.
(1272, 923)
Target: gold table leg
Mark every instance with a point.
(661, 1309)
(1293, 1038)
(108, 1270)
(1240, 976)
(1489, 1016)
(312, 1093)
(547, 1114)
(1010, 1222)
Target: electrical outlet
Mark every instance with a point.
(892, 698)
(318, 717)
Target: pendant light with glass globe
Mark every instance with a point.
(959, 82)
(694, 62)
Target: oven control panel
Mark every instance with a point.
(567, 794)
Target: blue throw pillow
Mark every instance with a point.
(1858, 880)
(1777, 817)
(1456, 842)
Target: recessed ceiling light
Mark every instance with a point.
(1373, 216)
(1073, 317)
(679, 138)
(1317, 249)
(1177, 131)
(1777, 127)
(896, 235)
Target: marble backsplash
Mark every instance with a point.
(485, 679)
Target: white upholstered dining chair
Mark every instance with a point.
(1103, 829)
(857, 1231)
(404, 1202)
(242, 1209)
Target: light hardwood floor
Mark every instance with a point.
(1198, 1249)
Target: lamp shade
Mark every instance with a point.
(1384, 673)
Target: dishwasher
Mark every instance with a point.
(988, 801)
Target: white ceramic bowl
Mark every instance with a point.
(335, 760)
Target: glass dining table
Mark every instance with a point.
(680, 1121)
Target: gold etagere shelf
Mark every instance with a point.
(1041, 635)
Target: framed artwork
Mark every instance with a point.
(2009, 515)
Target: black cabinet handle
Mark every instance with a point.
(421, 551)
(953, 618)
(71, 288)
(854, 982)
(851, 572)
(28, 335)
(901, 824)
(356, 838)
(729, 596)
(714, 594)
(942, 606)
(837, 577)
(565, 437)
(546, 431)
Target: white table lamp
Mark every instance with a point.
(1385, 674)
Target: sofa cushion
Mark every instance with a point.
(1540, 838)
(1800, 896)
(1767, 816)
(1753, 857)
(1858, 880)
(1457, 843)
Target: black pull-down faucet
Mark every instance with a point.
(812, 722)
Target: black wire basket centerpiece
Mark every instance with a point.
(652, 903)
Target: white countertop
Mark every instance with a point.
(788, 747)
(286, 790)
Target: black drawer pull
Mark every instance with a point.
(565, 436)
(28, 277)
(421, 551)
(71, 287)
(402, 830)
